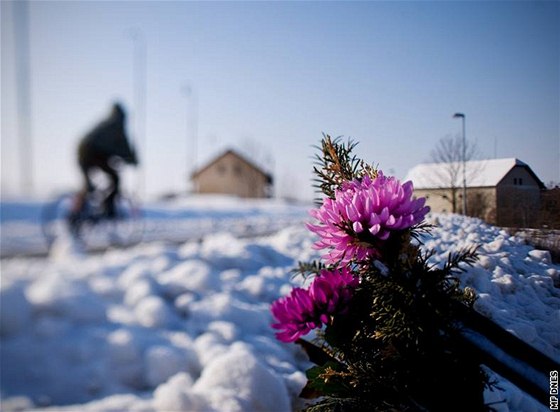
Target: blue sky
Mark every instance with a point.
(270, 77)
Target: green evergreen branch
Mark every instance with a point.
(335, 165)
(468, 255)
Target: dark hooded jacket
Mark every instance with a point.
(107, 139)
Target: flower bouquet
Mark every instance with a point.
(385, 319)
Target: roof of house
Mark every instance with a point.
(237, 155)
(479, 173)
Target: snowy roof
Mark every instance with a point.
(479, 173)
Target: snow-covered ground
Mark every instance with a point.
(179, 220)
(167, 326)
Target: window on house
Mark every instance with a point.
(520, 181)
(515, 180)
(221, 169)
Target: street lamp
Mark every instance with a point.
(463, 158)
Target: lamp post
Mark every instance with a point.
(463, 159)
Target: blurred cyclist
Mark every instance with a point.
(102, 148)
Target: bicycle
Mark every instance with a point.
(91, 225)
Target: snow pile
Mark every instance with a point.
(173, 327)
(162, 327)
(517, 286)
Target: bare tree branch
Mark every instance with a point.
(449, 152)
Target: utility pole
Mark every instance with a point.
(23, 74)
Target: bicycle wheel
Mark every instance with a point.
(127, 227)
(93, 229)
(54, 218)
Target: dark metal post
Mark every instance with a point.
(464, 161)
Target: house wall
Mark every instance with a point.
(514, 202)
(549, 216)
(518, 199)
(231, 175)
(436, 199)
(481, 201)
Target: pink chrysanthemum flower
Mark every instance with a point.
(364, 213)
(306, 309)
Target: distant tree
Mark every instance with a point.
(258, 152)
(553, 185)
(449, 152)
